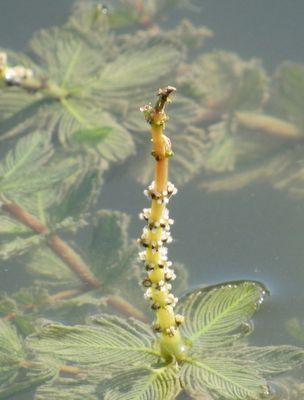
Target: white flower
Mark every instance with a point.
(148, 294)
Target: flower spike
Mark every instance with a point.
(156, 235)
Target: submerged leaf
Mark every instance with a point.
(51, 269)
(91, 137)
(287, 98)
(30, 154)
(295, 328)
(287, 389)
(222, 81)
(190, 144)
(66, 389)
(11, 352)
(19, 245)
(81, 79)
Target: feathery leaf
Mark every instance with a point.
(218, 315)
(66, 389)
(143, 384)
(226, 378)
(111, 344)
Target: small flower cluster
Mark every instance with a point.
(159, 272)
(161, 198)
(13, 75)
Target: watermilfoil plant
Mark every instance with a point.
(200, 347)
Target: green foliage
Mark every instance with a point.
(66, 389)
(288, 388)
(88, 75)
(11, 352)
(232, 122)
(38, 180)
(91, 136)
(254, 123)
(99, 349)
(190, 143)
(106, 249)
(143, 384)
(17, 372)
(221, 80)
(213, 310)
(287, 99)
(122, 359)
(31, 153)
(295, 328)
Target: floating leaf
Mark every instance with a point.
(112, 344)
(234, 376)
(219, 315)
(143, 384)
(222, 376)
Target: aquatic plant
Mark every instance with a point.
(229, 118)
(206, 356)
(44, 195)
(242, 124)
(80, 78)
(253, 120)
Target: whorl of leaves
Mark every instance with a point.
(122, 358)
(111, 344)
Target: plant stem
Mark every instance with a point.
(125, 307)
(64, 369)
(157, 233)
(63, 295)
(72, 260)
(49, 89)
(59, 247)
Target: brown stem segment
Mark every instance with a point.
(125, 307)
(72, 260)
(59, 247)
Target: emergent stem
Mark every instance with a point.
(157, 234)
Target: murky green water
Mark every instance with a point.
(251, 233)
